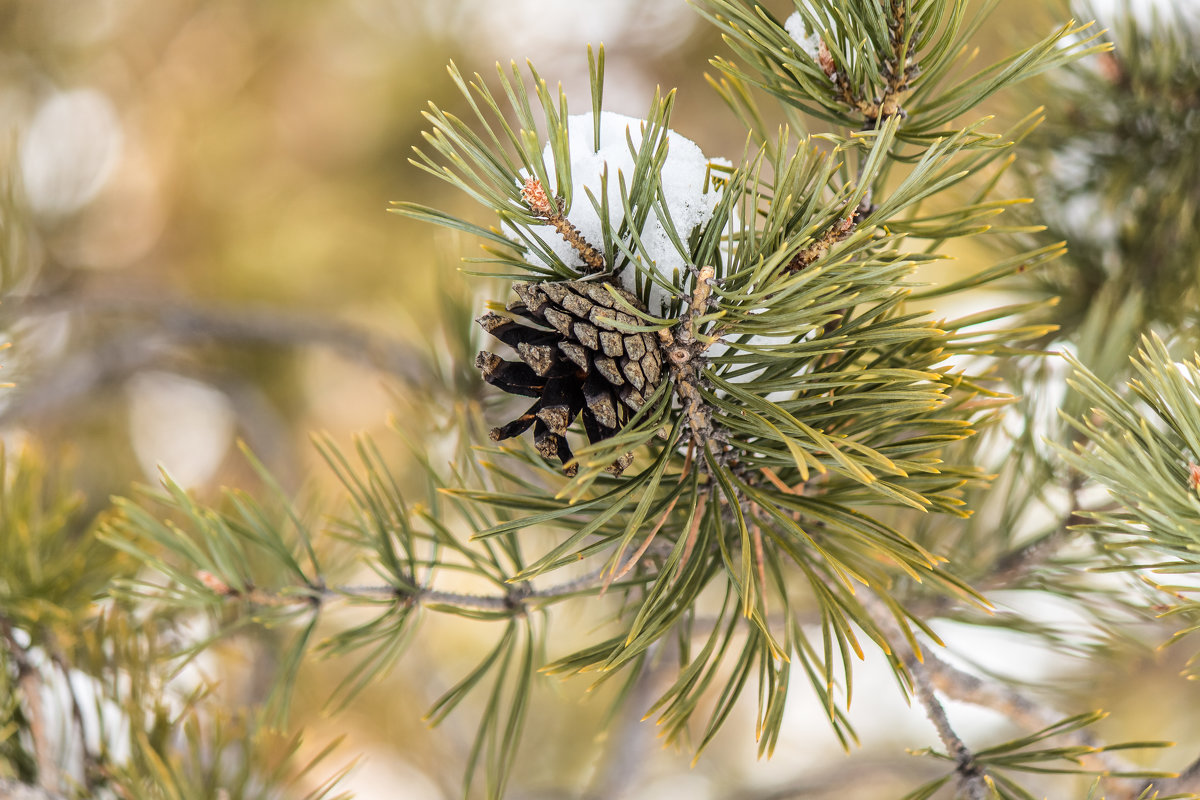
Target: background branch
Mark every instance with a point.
(1188, 782)
(186, 322)
(971, 778)
(959, 685)
(154, 328)
(630, 736)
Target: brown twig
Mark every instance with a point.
(835, 233)
(971, 777)
(968, 688)
(684, 349)
(633, 560)
(693, 533)
(617, 575)
(540, 204)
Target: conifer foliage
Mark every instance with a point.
(754, 444)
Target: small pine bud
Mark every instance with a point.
(825, 59)
(213, 583)
(1194, 476)
(536, 198)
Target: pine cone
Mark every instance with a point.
(581, 366)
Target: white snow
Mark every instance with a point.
(810, 44)
(1145, 12)
(684, 180)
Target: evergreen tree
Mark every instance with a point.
(758, 436)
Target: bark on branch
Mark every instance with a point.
(971, 779)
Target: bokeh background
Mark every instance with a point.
(200, 252)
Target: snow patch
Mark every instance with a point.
(809, 43)
(686, 193)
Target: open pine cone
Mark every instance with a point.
(574, 361)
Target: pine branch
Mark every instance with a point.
(828, 385)
(971, 777)
(959, 685)
(521, 599)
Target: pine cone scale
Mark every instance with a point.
(514, 428)
(611, 344)
(608, 368)
(598, 294)
(599, 398)
(652, 367)
(560, 321)
(577, 306)
(513, 377)
(633, 373)
(632, 397)
(540, 357)
(577, 354)
(587, 335)
(511, 332)
(635, 347)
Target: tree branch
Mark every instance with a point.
(521, 598)
(168, 323)
(959, 685)
(971, 779)
(184, 321)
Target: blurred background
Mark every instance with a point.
(197, 250)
